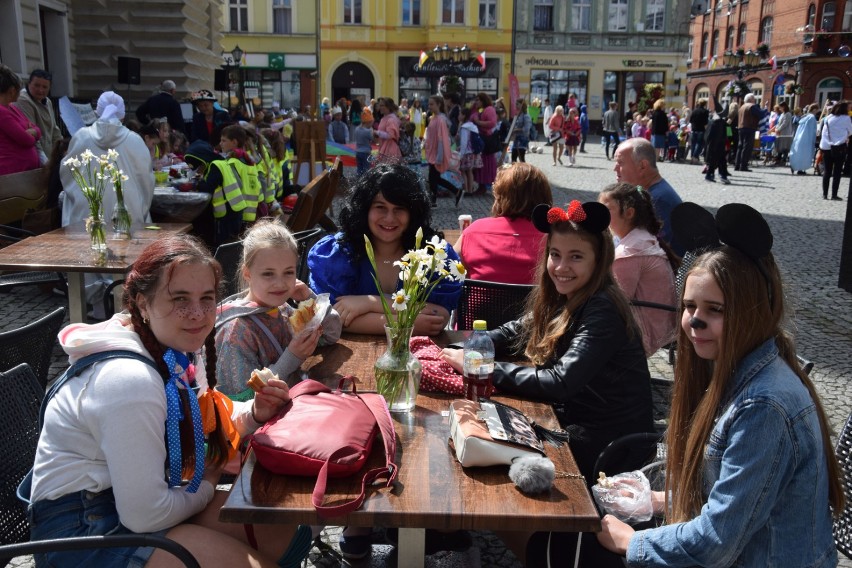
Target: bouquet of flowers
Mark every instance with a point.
(420, 271)
(121, 220)
(91, 174)
(794, 89)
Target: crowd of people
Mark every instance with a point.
(738, 388)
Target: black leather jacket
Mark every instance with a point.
(598, 380)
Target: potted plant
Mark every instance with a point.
(448, 84)
(763, 50)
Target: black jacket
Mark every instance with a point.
(699, 119)
(598, 380)
(659, 123)
(161, 105)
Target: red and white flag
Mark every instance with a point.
(423, 57)
(481, 59)
(774, 62)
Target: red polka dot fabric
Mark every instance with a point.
(438, 375)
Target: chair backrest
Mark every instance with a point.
(229, 256)
(495, 302)
(630, 453)
(303, 216)
(306, 240)
(21, 394)
(32, 344)
(22, 191)
(325, 196)
(843, 523)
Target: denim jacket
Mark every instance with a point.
(766, 483)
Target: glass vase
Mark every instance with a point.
(398, 371)
(121, 221)
(95, 227)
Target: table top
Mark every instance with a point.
(432, 489)
(67, 249)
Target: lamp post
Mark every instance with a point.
(744, 62)
(233, 59)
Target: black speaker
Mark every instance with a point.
(129, 70)
(220, 79)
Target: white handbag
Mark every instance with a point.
(490, 433)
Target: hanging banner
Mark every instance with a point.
(514, 94)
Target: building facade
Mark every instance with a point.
(80, 43)
(602, 51)
(802, 47)
(371, 49)
(279, 41)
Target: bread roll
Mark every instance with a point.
(303, 314)
(259, 378)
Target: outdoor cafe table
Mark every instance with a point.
(432, 490)
(68, 249)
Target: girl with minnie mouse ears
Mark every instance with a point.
(588, 355)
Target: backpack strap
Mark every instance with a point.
(24, 490)
(377, 406)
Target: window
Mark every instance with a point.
(690, 47)
(847, 17)
(617, 16)
(808, 37)
(543, 15)
(452, 12)
(828, 10)
(581, 15)
(487, 13)
(714, 48)
(282, 16)
(729, 38)
(765, 31)
(655, 15)
(351, 11)
(555, 84)
(410, 12)
(239, 15)
(705, 40)
(831, 88)
(742, 36)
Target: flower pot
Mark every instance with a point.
(95, 228)
(121, 221)
(398, 371)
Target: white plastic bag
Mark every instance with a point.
(626, 496)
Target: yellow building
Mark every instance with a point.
(370, 49)
(279, 43)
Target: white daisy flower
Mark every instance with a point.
(457, 270)
(399, 301)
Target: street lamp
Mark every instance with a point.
(744, 62)
(234, 59)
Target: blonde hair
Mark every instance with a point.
(265, 234)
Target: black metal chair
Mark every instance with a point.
(229, 256)
(843, 523)
(495, 302)
(306, 239)
(32, 344)
(11, 280)
(22, 395)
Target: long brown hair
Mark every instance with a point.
(518, 189)
(158, 261)
(753, 313)
(553, 312)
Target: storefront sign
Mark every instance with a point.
(432, 68)
(554, 62)
(646, 64)
(276, 61)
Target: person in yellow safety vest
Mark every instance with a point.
(266, 167)
(235, 146)
(281, 165)
(222, 222)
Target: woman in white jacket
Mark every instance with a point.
(99, 466)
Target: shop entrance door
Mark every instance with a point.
(351, 77)
(626, 87)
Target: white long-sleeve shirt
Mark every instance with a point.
(106, 428)
(835, 130)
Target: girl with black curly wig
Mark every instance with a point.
(388, 205)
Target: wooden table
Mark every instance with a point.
(68, 250)
(432, 490)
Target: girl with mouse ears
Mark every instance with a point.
(751, 477)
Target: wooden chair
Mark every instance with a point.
(495, 302)
(20, 192)
(32, 344)
(325, 198)
(303, 217)
(843, 523)
(22, 395)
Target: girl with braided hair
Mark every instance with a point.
(644, 266)
(120, 438)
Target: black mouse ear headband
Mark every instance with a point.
(591, 216)
(736, 225)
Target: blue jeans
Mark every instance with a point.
(697, 144)
(362, 160)
(607, 136)
(84, 514)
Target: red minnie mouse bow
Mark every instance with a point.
(574, 213)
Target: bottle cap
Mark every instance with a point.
(480, 325)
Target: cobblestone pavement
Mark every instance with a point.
(808, 233)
